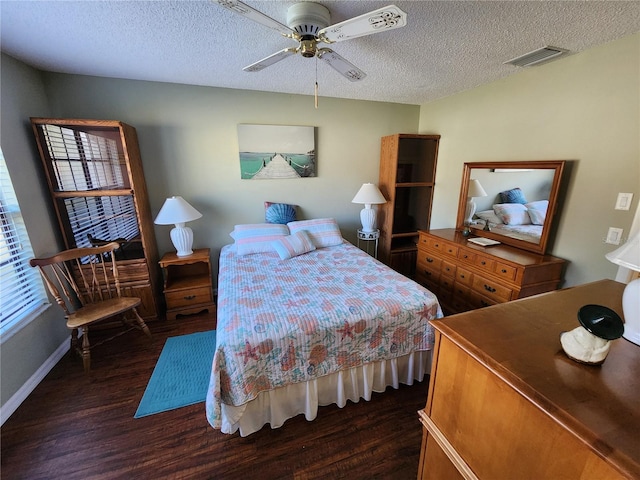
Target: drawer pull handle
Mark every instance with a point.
(427, 273)
(483, 263)
(465, 256)
(437, 245)
(429, 260)
(504, 270)
(462, 275)
(483, 303)
(189, 297)
(489, 288)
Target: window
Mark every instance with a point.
(21, 289)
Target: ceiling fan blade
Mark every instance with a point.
(342, 66)
(381, 20)
(255, 15)
(270, 60)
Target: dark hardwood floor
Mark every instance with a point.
(78, 427)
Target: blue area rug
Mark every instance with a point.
(181, 376)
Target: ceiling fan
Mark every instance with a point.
(308, 24)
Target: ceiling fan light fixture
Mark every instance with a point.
(536, 57)
(308, 18)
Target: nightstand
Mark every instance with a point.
(368, 237)
(187, 283)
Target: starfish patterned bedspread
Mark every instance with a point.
(286, 321)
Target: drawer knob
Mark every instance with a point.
(504, 270)
(462, 275)
(427, 273)
(429, 260)
(437, 245)
(489, 288)
(483, 262)
(465, 256)
(189, 297)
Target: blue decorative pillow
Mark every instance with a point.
(282, 213)
(515, 195)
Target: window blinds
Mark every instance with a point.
(21, 288)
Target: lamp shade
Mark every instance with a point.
(176, 210)
(628, 255)
(369, 195)
(475, 189)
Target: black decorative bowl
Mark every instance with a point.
(601, 321)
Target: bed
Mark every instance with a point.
(313, 325)
(521, 221)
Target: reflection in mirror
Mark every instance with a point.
(512, 202)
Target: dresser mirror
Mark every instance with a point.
(511, 202)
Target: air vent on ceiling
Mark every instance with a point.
(537, 56)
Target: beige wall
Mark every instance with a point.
(189, 146)
(22, 92)
(584, 108)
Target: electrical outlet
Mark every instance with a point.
(614, 235)
(624, 201)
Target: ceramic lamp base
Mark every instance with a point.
(631, 311)
(368, 219)
(182, 238)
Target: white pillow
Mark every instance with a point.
(512, 213)
(257, 237)
(293, 245)
(324, 232)
(537, 217)
(540, 205)
(489, 215)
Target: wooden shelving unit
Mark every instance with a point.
(407, 180)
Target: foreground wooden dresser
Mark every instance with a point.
(505, 402)
(465, 276)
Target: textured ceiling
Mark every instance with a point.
(446, 47)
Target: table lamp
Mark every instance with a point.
(176, 210)
(368, 195)
(475, 190)
(628, 256)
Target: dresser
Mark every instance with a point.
(465, 276)
(505, 402)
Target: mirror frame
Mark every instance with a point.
(541, 247)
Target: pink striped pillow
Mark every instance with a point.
(324, 232)
(257, 237)
(293, 245)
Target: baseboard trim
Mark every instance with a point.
(17, 398)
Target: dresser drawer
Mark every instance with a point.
(185, 298)
(428, 279)
(477, 300)
(464, 276)
(466, 256)
(443, 247)
(484, 263)
(505, 271)
(491, 289)
(447, 268)
(428, 260)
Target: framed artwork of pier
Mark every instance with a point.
(276, 151)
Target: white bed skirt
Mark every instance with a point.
(276, 406)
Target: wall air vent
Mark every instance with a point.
(540, 55)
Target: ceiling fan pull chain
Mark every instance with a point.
(315, 90)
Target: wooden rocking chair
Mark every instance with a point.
(84, 282)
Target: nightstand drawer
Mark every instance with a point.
(186, 298)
